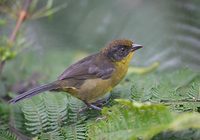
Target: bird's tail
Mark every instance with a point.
(35, 91)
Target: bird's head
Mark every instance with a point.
(119, 50)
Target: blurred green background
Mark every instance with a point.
(168, 30)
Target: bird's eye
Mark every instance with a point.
(122, 49)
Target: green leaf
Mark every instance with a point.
(4, 116)
(133, 120)
(52, 116)
(179, 89)
(6, 53)
(6, 135)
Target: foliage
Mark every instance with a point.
(6, 51)
(20, 10)
(4, 116)
(5, 135)
(11, 7)
(133, 120)
(180, 89)
(51, 117)
(58, 116)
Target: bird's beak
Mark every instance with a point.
(136, 47)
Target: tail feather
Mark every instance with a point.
(35, 91)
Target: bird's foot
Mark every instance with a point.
(102, 102)
(92, 106)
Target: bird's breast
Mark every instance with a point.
(93, 89)
(119, 73)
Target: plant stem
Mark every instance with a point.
(21, 19)
(22, 16)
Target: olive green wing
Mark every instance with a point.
(91, 67)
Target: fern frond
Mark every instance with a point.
(73, 110)
(77, 131)
(54, 117)
(179, 89)
(36, 117)
(56, 110)
(6, 135)
(44, 114)
(132, 120)
(53, 135)
(4, 116)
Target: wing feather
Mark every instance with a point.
(90, 67)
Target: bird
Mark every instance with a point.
(93, 76)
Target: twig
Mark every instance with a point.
(22, 16)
